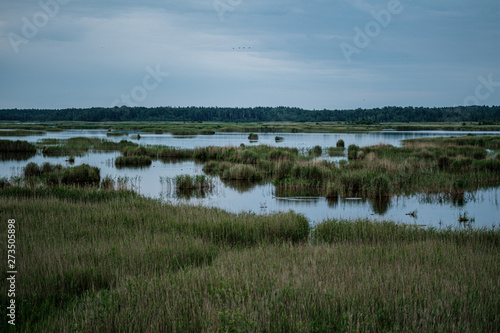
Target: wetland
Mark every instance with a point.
(309, 232)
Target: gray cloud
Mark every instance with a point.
(261, 53)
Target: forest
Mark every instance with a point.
(481, 114)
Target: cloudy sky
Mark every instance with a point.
(314, 54)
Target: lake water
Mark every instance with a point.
(436, 211)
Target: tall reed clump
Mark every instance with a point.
(316, 151)
(9, 146)
(136, 156)
(82, 175)
(53, 175)
(171, 152)
(253, 137)
(242, 172)
(188, 182)
(352, 152)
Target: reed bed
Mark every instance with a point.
(8, 146)
(80, 145)
(104, 261)
(55, 174)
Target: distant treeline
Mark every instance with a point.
(259, 114)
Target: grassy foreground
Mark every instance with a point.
(111, 261)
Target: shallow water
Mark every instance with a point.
(435, 211)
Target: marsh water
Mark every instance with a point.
(481, 206)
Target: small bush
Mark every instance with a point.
(340, 144)
(187, 182)
(253, 137)
(352, 152)
(316, 151)
(108, 183)
(82, 175)
(242, 172)
(53, 179)
(47, 167)
(4, 183)
(32, 170)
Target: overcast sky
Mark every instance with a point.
(314, 54)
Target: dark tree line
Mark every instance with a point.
(258, 114)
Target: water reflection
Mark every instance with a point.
(381, 205)
(16, 156)
(240, 186)
(132, 167)
(188, 194)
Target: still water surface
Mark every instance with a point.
(436, 211)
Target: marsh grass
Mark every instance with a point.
(193, 182)
(104, 261)
(336, 151)
(8, 146)
(79, 146)
(54, 175)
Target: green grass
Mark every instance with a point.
(80, 145)
(103, 261)
(193, 182)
